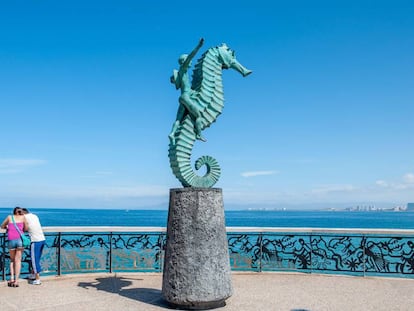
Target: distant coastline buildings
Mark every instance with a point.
(356, 208)
(372, 208)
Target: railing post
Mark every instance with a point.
(110, 252)
(3, 257)
(161, 257)
(363, 253)
(59, 262)
(261, 251)
(311, 252)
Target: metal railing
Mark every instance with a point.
(358, 252)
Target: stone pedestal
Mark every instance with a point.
(196, 268)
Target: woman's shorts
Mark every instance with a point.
(13, 244)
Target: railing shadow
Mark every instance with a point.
(118, 285)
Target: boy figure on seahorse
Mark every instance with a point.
(181, 81)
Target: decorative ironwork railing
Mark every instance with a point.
(118, 249)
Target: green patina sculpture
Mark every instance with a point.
(201, 102)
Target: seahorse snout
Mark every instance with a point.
(240, 68)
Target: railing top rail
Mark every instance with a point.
(107, 229)
(320, 230)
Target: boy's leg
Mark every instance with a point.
(198, 128)
(178, 119)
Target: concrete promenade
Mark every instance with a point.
(252, 291)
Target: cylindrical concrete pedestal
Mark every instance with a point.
(196, 267)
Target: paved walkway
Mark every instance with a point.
(252, 291)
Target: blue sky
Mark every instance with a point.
(326, 118)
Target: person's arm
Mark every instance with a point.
(177, 78)
(193, 53)
(5, 222)
(25, 225)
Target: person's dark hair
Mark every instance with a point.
(16, 210)
(25, 211)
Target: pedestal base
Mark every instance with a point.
(196, 266)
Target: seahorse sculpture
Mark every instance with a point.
(200, 105)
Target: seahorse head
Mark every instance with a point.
(228, 60)
(226, 55)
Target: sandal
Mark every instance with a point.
(14, 284)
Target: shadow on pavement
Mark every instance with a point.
(118, 285)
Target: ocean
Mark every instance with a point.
(243, 218)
